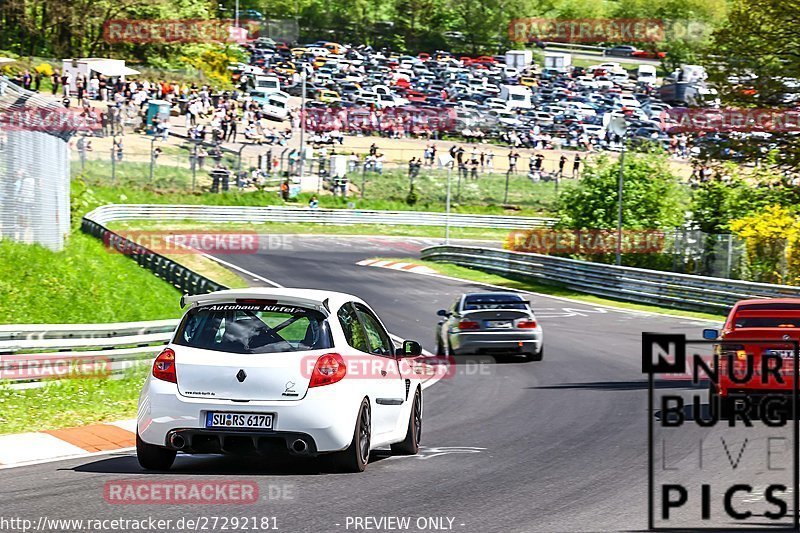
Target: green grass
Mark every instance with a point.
(172, 184)
(278, 228)
(84, 283)
(449, 269)
(70, 402)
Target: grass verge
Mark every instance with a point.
(83, 283)
(456, 271)
(486, 195)
(433, 232)
(70, 402)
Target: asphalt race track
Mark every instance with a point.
(557, 445)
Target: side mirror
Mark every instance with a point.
(710, 334)
(409, 349)
(442, 312)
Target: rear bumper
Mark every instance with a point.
(241, 442)
(490, 342)
(328, 426)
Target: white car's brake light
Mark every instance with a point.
(329, 369)
(164, 366)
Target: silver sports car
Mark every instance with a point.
(490, 323)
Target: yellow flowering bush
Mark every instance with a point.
(772, 240)
(45, 69)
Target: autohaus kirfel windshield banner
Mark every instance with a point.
(722, 432)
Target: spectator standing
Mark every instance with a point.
(576, 166)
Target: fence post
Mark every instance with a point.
(729, 262)
(363, 179)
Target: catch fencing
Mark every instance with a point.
(34, 167)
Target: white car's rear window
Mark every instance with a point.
(256, 329)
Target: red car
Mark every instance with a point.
(755, 330)
(648, 54)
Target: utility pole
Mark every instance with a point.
(620, 190)
(447, 209)
(302, 120)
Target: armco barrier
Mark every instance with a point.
(184, 279)
(668, 289)
(32, 354)
(13, 332)
(255, 214)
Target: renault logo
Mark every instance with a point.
(241, 375)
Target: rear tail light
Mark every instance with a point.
(329, 369)
(164, 366)
(526, 324)
(468, 324)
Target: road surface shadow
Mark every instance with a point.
(220, 465)
(620, 385)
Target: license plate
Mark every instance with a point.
(498, 324)
(786, 354)
(238, 420)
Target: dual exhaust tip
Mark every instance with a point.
(298, 446)
(177, 441)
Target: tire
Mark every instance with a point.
(440, 348)
(153, 457)
(410, 445)
(356, 456)
(537, 356)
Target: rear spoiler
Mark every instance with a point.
(232, 296)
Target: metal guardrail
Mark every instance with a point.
(256, 214)
(668, 289)
(184, 279)
(32, 354)
(31, 332)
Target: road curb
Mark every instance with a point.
(22, 449)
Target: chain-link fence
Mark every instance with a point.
(34, 167)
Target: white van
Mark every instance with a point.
(268, 84)
(276, 106)
(516, 96)
(646, 74)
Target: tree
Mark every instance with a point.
(754, 62)
(653, 198)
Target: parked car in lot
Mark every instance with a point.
(274, 371)
(622, 50)
(501, 323)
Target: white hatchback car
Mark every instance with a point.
(273, 371)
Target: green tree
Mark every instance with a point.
(653, 197)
